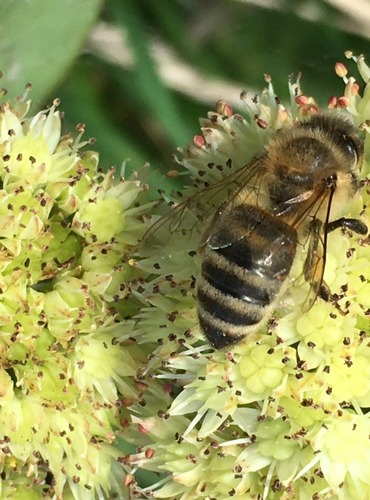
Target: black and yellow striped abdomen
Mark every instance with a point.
(247, 258)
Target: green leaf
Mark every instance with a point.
(40, 39)
(152, 91)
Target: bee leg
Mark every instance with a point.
(314, 265)
(354, 225)
(326, 295)
(324, 292)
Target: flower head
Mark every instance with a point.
(65, 229)
(283, 414)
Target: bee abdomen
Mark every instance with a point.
(241, 279)
(228, 283)
(229, 304)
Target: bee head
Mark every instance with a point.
(341, 133)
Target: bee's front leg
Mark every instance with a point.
(355, 225)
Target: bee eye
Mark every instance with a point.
(350, 146)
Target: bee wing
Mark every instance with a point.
(314, 265)
(200, 211)
(296, 212)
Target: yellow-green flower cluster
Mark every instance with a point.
(284, 414)
(65, 229)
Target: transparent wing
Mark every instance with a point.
(200, 211)
(304, 214)
(314, 265)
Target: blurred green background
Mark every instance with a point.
(139, 73)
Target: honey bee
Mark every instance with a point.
(291, 194)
